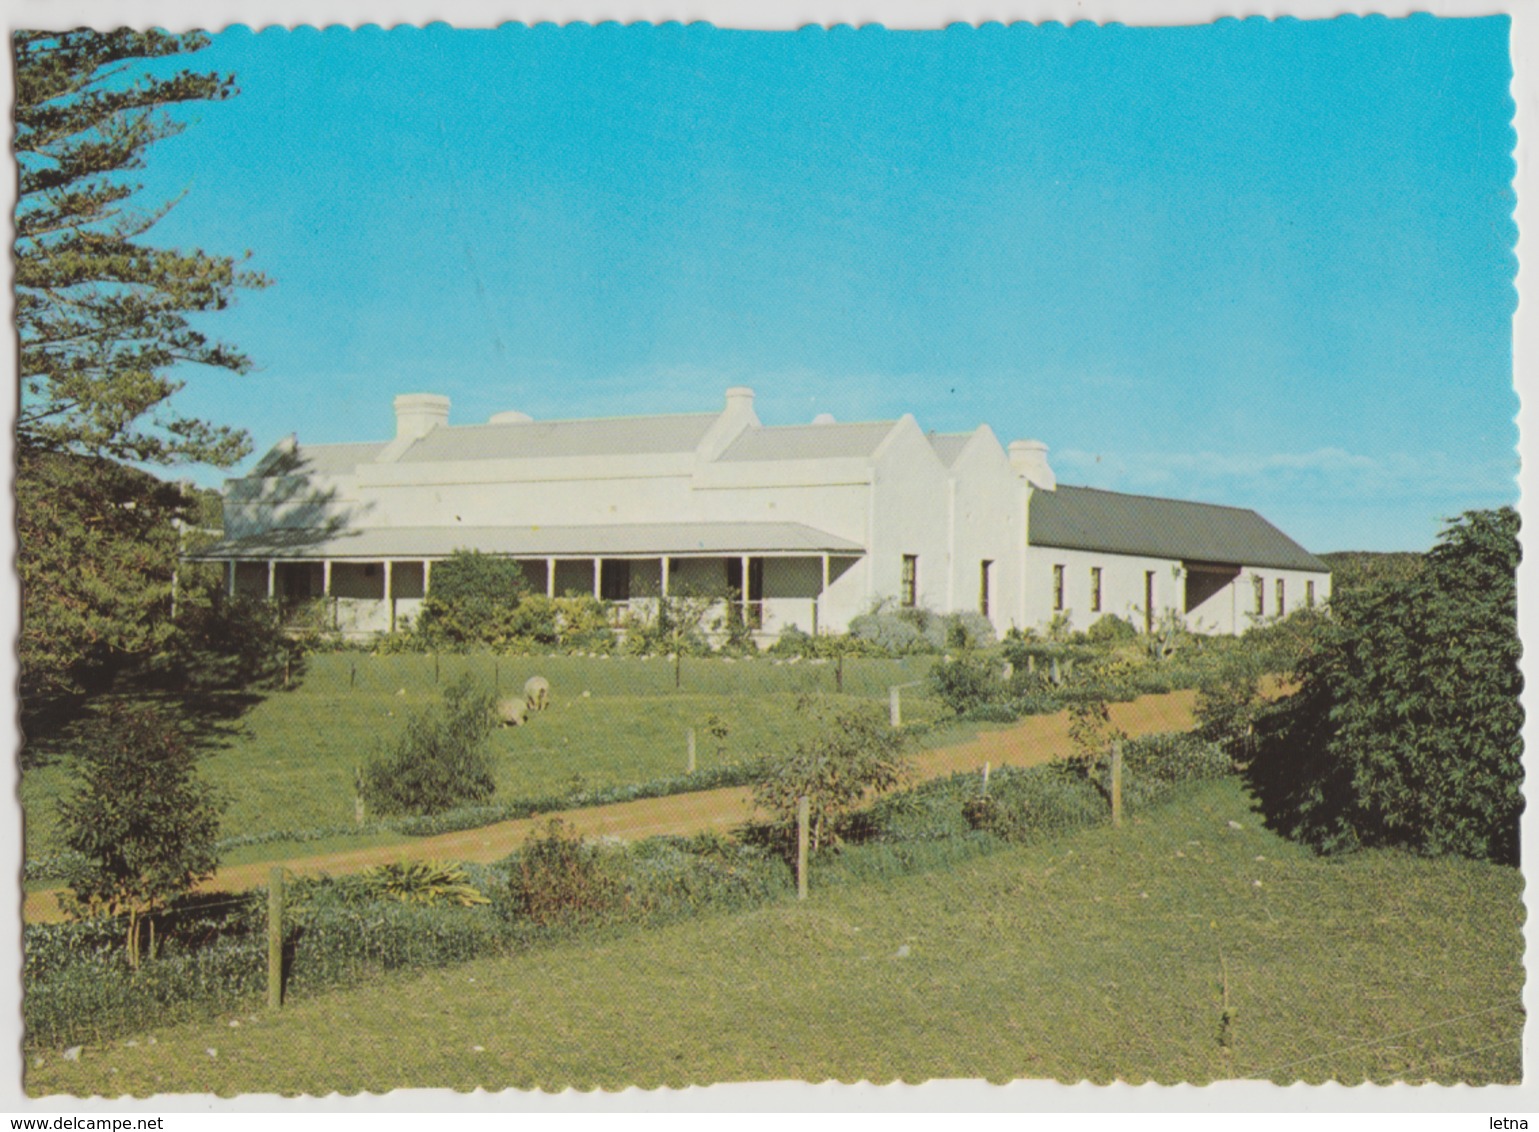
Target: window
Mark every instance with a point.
(1282, 606)
(1309, 594)
(1095, 589)
(909, 584)
(1260, 584)
(1057, 587)
(983, 586)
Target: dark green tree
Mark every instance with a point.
(142, 821)
(1405, 729)
(102, 319)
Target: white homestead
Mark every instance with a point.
(806, 524)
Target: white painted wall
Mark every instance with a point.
(988, 513)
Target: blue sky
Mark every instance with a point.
(1264, 264)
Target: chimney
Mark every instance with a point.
(417, 414)
(737, 416)
(1029, 460)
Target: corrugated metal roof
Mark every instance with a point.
(532, 439)
(808, 442)
(948, 445)
(1086, 518)
(537, 542)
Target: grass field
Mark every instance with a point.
(1180, 948)
(288, 763)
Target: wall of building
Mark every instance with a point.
(988, 517)
(908, 508)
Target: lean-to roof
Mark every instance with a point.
(1087, 518)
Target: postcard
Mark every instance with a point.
(603, 555)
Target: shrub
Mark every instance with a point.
(441, 760)
(890, 633)
(968, 629)
(967, 683)
(560, 879)
(140, 820)
(1229, 702)
(408, 882)
(849, 754)
(473, 600)
(1110, 630)
(1405, 729)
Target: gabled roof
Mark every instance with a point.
(601, 436)
(948, 445)
(1087, 518)
(808, 442)
(641, 539)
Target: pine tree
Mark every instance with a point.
(102, 316)
(103, 322)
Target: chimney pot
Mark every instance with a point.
(417, 414)
(1029, 460)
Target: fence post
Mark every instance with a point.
(690, 736)
(275, 938)
(1116, 785)
(1031, 664)
(352, 675)
(895, 705)
(496, 678)
(435, 668)
(985, 780)
(803, 817)
(1057, 678)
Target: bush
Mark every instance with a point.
(1405, 729)
(441, 761)
(408, 882)
(473, 599)
(1110, 630)
(890, 633)
(849, 754)
(967, 683)
(560, 879)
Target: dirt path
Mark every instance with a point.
(1036, 739)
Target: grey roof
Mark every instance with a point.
(597, 437)
(948, 445)
(617, 539)
(808, 442)
(319, 459)
(1086, 518)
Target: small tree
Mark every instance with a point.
(141, 819)
(441, 761)
(849, 753)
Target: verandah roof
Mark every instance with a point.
(613, 540)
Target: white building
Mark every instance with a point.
(807, 524)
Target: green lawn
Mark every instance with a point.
(288, 764)
(1103, 955)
